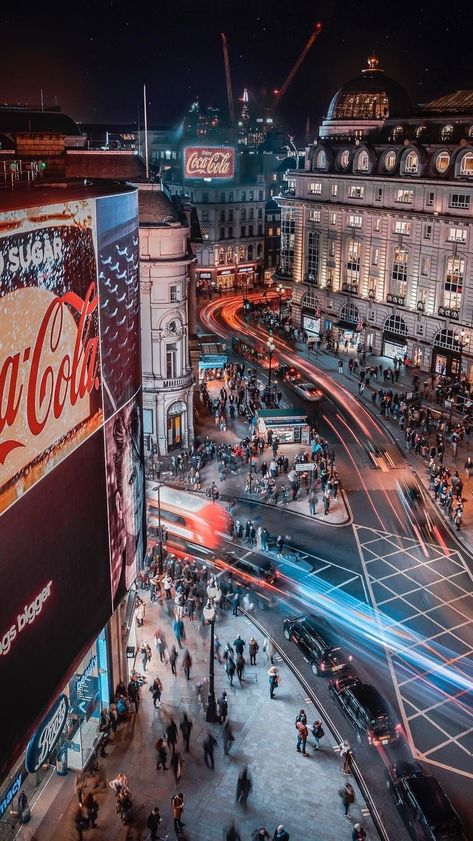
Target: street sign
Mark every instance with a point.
(309, 465)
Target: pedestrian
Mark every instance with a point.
(302, 717)
(358, 833)
(186, 730)
(302, 734)
(279, 544)
(187, 663)
(269, 650)
(140, 613)
(313, 500)
(230, 669)
(240, 666)
(260, 834)
(244, 786)
(235, 603)
(347, 793)
(222, 706)
(162, 755)
(172, 659)
(156, 688)
(340, 366)
(346, 755)
(160, 645)
(145, 654)
(177, 806)
(228, 737)
(232, 833)
(239, 644)
(281, 834)
(469, 467)
(91, 806)
(326, 501)
(152, 823)
(178, 628)
(253, 649)
(209, 746)
(171, 735)
(318, 733)
(273, 676)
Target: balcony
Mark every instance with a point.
(351, 288)
(449, 312)
(169, 384)
(398, 300)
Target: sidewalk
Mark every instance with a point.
(301, 793)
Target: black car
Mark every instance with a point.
(250, 574)
(365, 708)
(288, 373)
(424, 806)
(319, 643)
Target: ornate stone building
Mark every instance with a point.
(376, 231)
(165, 258)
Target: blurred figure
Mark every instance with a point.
(244, 786)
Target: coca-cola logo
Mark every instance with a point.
(46, 382)
(209, 162)
(47, 735)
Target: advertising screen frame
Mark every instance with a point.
(210, 158)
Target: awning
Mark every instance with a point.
(212, 360)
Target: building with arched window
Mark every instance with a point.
(381, 217)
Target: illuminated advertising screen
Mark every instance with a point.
(214, 162)
(69, 373)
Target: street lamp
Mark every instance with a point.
(271, 348)
(462, 341)
(280, 291)
(214, 595)
(160, 532)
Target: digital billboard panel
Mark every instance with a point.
(70, 435)
(214, 162)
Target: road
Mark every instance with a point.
(401, 595)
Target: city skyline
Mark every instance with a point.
(96, 70)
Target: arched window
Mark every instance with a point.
(398, 134)
(420, 130)
(321, 159)
(454, 274)
(470, 132)
(344, 158)
(353, 262)
(250, 252)
(230, 254)
(399, 270)
(411, 163)
(466, 164)
(390, 160)
(446, 132)
(350, 312)
(310, 300)
(445, 339)
(313, 254)
(442, 162)
(363, 161)
(395, 324)
(259, 250)
(221, 256)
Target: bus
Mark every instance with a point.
(257, 355)
(190, 520)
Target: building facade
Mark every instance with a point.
(376, 231)
(165, 258)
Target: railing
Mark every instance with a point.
(399, 300)
(15, 172)
(449, 312)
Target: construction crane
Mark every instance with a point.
(231, 111)
(280, 93)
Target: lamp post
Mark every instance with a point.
(160, 532)
(214, 596)
(271, 348)
(280, 290)
(462, 341)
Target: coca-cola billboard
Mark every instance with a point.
(215, 162)
(69, 371)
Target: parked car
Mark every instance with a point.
(319, 643)
(365, 709)
(424, 806)
(308, 391)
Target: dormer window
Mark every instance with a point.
(390, 160)
(446, 133)
(363, 161)
(466, 164)
(420, 130)
(345, 158)
(321, 159)
(442, 162)
(411, 163)
(398, 134)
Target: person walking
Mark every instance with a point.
(186, 730)
(244, 786)
(318, 733)
(145, 654)
(313, 500)
(260, 834)
(279, 544)
(346, 755)
(209, 746)
(177, 806)
(162, 755)
(152, 823)
(269, 649)
(273, 676)
(176, 765)
(253, 649)
(302, 734)
(156, 688)
(231, 833)
(91, 806)
(178, 628)
(187, 663)
(235, 604)
(240, 667)
(281, 834)
(358, 833)
(230, 669)
(239, 644)
(171, 735)
(222, 706)
(347, 793)
(160, 645)
(228, 737)
(173, 655)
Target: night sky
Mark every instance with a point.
(95, 55)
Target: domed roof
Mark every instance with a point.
(370, 96)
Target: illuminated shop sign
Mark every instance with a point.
(47, 735)
(215, 162)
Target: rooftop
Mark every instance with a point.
(459, 102)
(45, 192)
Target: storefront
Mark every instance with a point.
(311, 325)
(211, 366)
(286, 424)
(349, 331)
(88, 692)
(175, 424)
(203, 280)
(246, 276)
(226, 278)
(394, 345)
